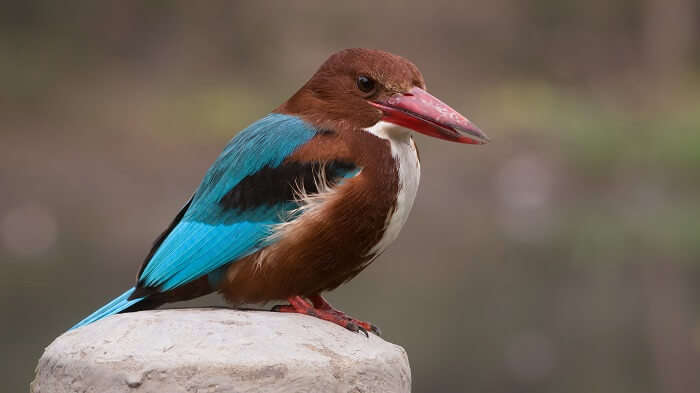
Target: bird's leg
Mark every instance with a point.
(324, 311)
(297, 304)
(321, 304)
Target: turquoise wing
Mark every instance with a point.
(210, 233)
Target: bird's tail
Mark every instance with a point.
(117, 305)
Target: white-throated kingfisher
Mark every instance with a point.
(305, 198)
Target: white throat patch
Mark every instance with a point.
(403, 149)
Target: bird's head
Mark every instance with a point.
(360, 87)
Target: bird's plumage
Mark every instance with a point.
(217, 228)
(333, 238)
(248, 190)
(305, 198)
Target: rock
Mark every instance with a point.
(219, 350)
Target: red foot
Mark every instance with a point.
(321, 309)
(320, 303)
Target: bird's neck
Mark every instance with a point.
(329, 113)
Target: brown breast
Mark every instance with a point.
(331, 241)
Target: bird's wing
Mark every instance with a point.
(248, 190)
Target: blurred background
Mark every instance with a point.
(562, 257)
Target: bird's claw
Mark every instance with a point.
(364, 331)
(365, 327)
(326, 312)
(355, 328)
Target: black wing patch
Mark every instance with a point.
(270, 186)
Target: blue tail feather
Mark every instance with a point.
(117, 305)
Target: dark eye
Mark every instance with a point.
(365, 84)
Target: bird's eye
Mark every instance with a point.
(365, 84)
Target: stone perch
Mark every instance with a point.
(219, 350)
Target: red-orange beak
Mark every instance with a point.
(424, 113)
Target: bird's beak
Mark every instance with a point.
(421, 112)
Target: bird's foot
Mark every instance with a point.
(320, 303)
(321, 309)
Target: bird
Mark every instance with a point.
(305, 198)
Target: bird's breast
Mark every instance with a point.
(405, 156)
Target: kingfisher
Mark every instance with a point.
(304, 199)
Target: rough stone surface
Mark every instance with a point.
(219, 350)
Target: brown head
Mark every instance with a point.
(359, 87)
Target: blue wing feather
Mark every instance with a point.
(118, 304)
(209, 236)
(266, 142)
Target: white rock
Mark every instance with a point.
(219, 350)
